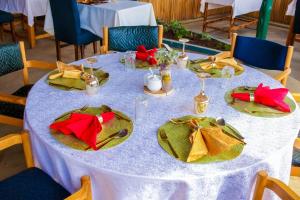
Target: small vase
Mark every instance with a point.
(166, 77)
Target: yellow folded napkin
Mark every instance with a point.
(219, 61)
(209, 141)
(67, 71)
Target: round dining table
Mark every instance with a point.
(139, 168)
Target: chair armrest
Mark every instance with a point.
(297, 143)
(41, 64)
(18, 138)
(10, 140)
(85, 192)
(296, 96)
(283, 74)
(12, 99)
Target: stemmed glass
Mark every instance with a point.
(183, 41)
(227, 74)
(202, 76)
(91, 61)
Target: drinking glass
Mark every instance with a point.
(141, 104)
(129, 60)
(227, 74)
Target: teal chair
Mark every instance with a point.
(128, 38)
(13, 58)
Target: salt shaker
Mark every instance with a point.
(92, 84)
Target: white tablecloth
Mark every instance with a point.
(291, 8)
(120, 13)
(30, 8)
(139, 168)
(240, 7)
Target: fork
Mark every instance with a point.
(77, 110)
(164, 138)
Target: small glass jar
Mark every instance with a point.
(201, 103)
(166, 77)
(92, 85)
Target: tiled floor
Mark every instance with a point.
(11, 161)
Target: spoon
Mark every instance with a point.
(221, 122)
(164, 138)
(120, 134)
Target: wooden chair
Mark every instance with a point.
(33, 183)
(13, 58)
(6, 17)
(282, 190)
(226, 16)
(262, 54)
(127, 38)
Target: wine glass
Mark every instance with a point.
(183, 41)
(203, 76)
(91, 61)
(227, 74)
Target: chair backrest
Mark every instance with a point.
(128, 38)
(260, 53)
(278, 187)
(66, 20)
(10, 58)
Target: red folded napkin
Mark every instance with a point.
(84, 126)
(146, 55)
(266, 96)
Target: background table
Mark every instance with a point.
(291, 8)
(239, 7)
(120, 13)
(29, 8)
(139, 168)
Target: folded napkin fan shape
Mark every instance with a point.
(84, 126)
(266, 96)
(218, 62)
(209, 140)
(146, 55)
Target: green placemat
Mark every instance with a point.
(77, 84)
(120, 122)
(139, 64)
(253, 108)
(178, 136)
(194, 66)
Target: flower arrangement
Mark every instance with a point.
(165, 57)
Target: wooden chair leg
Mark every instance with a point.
(95, 47)
(231, 23)
(1, 32)
(82, 51)
(58, 52)
(205, 15)
(76, 52)
(291, 35)
(12, 30)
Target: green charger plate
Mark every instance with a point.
(120, 122)
(77, 84)
(194, 66)
(178, 136)
(139, 64)
(255, 109)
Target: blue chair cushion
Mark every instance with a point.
(260, 53)
(5, 17)
(15, 110)
(86, 37)
(10, 58)
(31, 184)
(128, 38)
(296, 158)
